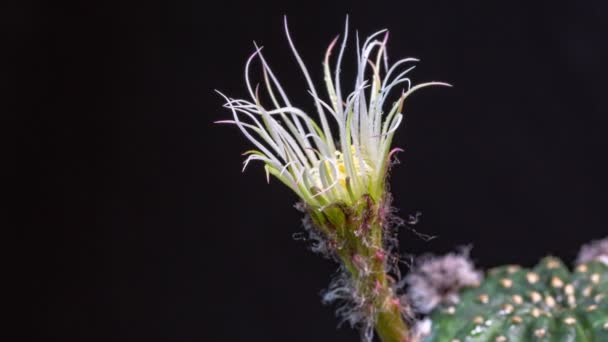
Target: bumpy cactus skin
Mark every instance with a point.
(547, 303)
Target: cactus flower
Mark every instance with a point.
(336, 160)
(342, 153)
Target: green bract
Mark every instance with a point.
(546, 303)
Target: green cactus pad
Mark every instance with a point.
(546, 303)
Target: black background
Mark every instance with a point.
(140, 225)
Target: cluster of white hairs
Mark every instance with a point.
(320, 164)
(437, 279)
(357, 309)
(353, 307)
(594, 251)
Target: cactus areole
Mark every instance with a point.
(546, 303)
